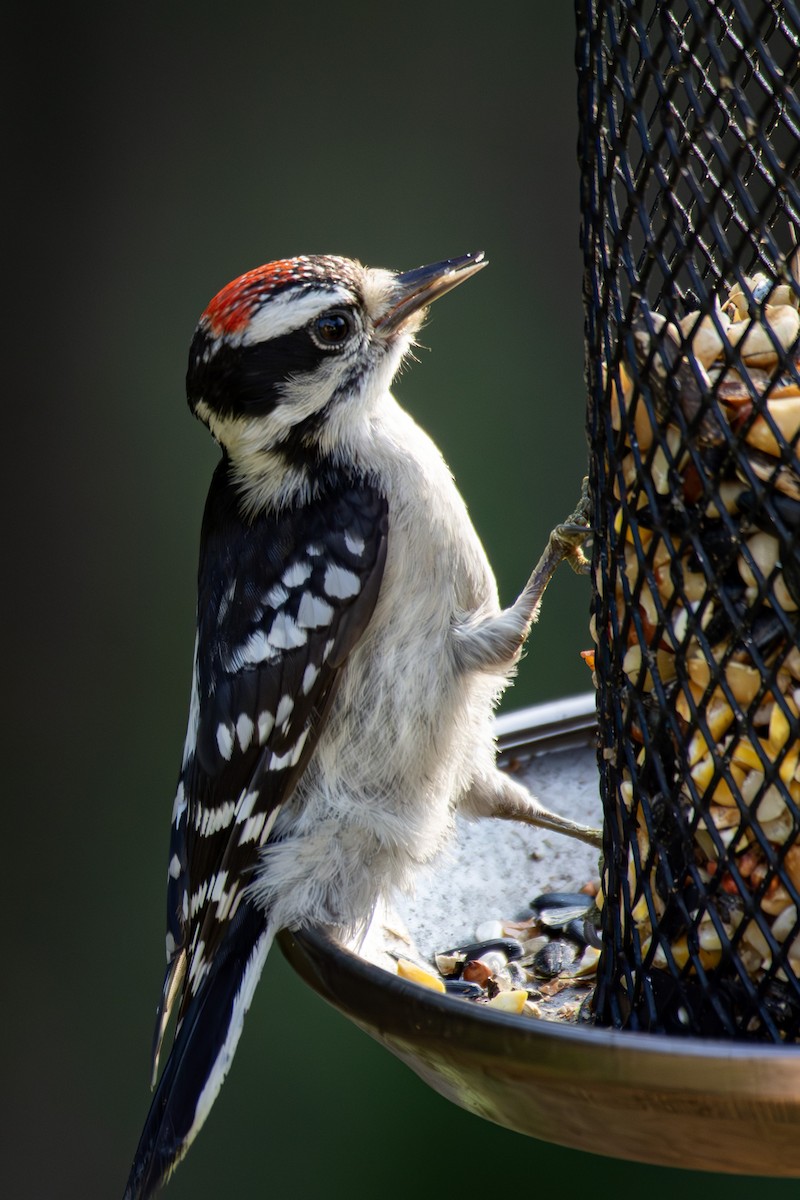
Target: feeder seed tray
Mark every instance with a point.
(687, 1102)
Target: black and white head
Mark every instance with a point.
(290, 359)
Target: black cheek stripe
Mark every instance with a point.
(247, 380)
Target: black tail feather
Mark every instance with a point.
(201, 1055)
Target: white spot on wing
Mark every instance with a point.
(266, 723)
(223, 907)
(179, 807)
(210, 820)
(255, 650)
(354, 543)
(225, 603)
(174, 867)
(292, 756)
(267, 830)
(252, 829)
(198, 969)
(199, 898)
(217, 891)
(340, 583)
(285, 634)
(296, 574)
(190, 743)
(246, 806)
(278, 762)
(225, 740)
(298, 748)
(276, 596)
(284, 710)
(244, 730)
(309, 678)
(313, 612)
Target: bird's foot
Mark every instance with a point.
(567, 540)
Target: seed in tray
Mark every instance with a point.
(459, 987)
(476, 972)
(553, 958)
(412, 971)
(510, 948)
(555, 909)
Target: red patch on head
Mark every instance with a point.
(231, 309)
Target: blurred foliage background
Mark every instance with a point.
(153, 152)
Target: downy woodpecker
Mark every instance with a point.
(350, 651)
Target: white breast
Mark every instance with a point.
(407, 729)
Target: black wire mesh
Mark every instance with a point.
(690, 151)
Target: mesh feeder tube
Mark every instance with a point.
(690, 153)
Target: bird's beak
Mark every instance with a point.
(416, 289)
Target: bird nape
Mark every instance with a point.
(350, 652)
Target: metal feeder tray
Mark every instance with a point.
(685, 1102)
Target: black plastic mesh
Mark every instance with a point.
(690, 150)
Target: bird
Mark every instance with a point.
(350, 652)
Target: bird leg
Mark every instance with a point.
(499, 796)
(496, 641)
(565, 543)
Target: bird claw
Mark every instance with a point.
(568, 538)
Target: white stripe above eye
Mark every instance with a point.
(286, 311)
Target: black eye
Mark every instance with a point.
(332, 329)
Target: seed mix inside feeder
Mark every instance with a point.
(706, 588)
(691, 218)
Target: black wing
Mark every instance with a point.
(282, 600)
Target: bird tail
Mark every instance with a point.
(201, 1055)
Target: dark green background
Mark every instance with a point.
(156, 152)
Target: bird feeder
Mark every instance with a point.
(687, 1053)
